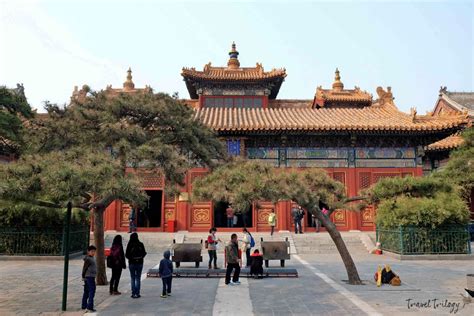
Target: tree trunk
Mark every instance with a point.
(351, 269)
(99, 243)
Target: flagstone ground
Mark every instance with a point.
(34, 287)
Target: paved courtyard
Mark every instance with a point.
(34, 287)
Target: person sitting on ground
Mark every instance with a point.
(166, 273)
(256, 269)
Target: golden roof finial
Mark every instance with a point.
(233, 62)
(128, 84)
(337, 85)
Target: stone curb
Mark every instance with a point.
(428, 257)
(39, 258)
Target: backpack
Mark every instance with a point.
(252, 241)
(136, 252)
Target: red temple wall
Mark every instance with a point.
(199, 216)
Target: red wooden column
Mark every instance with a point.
(182, 214)
(282, 215)
(351, 186)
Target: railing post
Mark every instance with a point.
(66, 254)
(401, 240)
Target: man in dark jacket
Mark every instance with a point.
(89, 272)
(233, 261)
(166, 273)
(135, 253)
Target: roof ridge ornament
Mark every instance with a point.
(128, 84)
(443, 90)
(233, 62)
(385, 97)
(337, 85)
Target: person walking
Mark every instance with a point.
(166, 273)
(246, 245)
(315, 222)
(89, 272)
(230, 216)
(131, 220)
(297, 214)
(135, 253)
(212, 242)
(116, 261)
(272, 221)
(233, 261)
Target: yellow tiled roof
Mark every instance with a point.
(351, 95)
(371, 118)
(448, 143)
(226, 73)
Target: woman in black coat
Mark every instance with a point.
(116, 261)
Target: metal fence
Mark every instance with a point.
(408, 240)
(42, 241)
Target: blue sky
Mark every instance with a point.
(412, 46)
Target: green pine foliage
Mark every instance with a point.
(417, 201)
(13, 109)
(460, 168)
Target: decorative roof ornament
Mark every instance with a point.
(443, 90)
(337, 85)
(385, 97)
(233, 62)
(128, 84)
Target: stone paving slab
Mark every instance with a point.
(426, 280)
(34, 287)
(189, 297)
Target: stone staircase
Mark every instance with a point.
(321, 243)
(309, 243)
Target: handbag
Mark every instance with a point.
(109, 262)
(396, 281)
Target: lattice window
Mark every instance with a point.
(151, 179)
(378, 176)
(340, 176)
(364, 180)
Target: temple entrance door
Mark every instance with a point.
(150, 215)
(220, 216)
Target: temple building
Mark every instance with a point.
(356, 138)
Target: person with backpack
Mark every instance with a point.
(211, 245)
(166, 273)
(247, 243)
(116, 262)
(297, 213)
(135, 253)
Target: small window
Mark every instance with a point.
(228, 102)
(238, 102)
(209, 102)
(257, 102)
(248, 103)
(219, 102)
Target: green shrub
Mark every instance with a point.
(27, 215)
(422, 202)
(442, 209)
